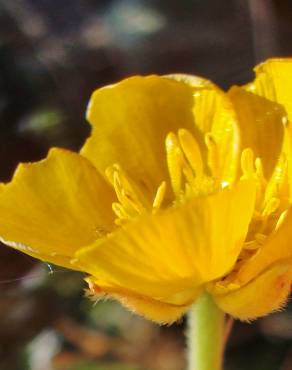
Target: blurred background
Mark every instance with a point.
(53, 54)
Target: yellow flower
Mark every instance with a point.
(181, 188)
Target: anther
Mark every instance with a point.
(213, 154)
(129, 202)
(271, 206)
(187, 170)
(278, 177)
(173, 152)
(260, 170)
(281, 169)
(159, 197)
(260, 238)
(109, 172)
(285, 121)
(118, 186)
(252, 245)
(191, 150)
(247, 163)
(119, 211)
(281, 219)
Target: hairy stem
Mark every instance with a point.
(206, 334)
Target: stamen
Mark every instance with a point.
(281, 219)
(159, 197)
(213, 154)
(247, 163)
(252, 245)
(280, 172)
(271, 206)
(109, 172)
(173, 152)
(260, 238)
(187, 170)
(186, 167)
(119, 211)
(125, 197)
(117, 185)
(188, 190)
(191, 150)
(280, 169)
(278, 178)
(130, 204)
(260, 171)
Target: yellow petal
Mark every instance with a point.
(168, 256)
(288, 151)
(274, 81)
(160, 312)
(216, 119)
(261, 126)
(194, 81)
(276, 247)
(130, 122)
(267, 293)
(135, 116)
(55, 206)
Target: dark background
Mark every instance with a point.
(53, 54)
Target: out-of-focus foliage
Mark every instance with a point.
(52, 56)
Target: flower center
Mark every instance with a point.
(190, 177)
(187, 173)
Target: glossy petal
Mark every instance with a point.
(130, 122)
(167, 257)
(132, 119)
(261, 126)
(55, 206)
(274, 82)
(215, 117)
(266, 293)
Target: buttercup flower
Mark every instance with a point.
(180, 189)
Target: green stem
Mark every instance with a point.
(205, 335)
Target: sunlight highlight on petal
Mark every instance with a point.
(55, 206)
